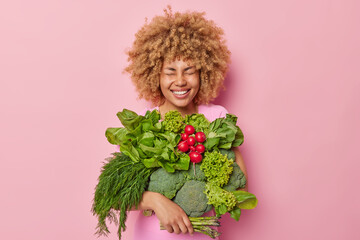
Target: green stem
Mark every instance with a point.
(201, 225)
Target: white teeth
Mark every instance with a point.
(179, 92)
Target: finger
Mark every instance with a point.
(183, 228)
(169, 228)
(176, 229)
(188, 225)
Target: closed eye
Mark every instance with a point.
(189, 70)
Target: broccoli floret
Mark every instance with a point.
(166, 183)
(192, 199)
(173, 121)
(216, 168)
(237, 179)
(229, 153)
(198, 175)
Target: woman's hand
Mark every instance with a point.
(170, 215)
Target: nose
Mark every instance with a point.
(180, 80)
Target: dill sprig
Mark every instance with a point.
(120, 187)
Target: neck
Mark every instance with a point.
(187, 110)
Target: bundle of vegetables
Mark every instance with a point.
(161, 152)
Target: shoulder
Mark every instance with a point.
(143, 112)
(212, 111)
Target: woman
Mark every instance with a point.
(177, 62)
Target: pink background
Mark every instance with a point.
(294, 82)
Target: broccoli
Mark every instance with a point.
(190, 191)
(198, 175)
(166, 183)
(237, 179)
(229, 153)
(185, 185)
(192, 199)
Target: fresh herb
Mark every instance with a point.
(121, 185)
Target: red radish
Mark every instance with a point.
(192, 148)
(191, 141)
(183, 146)
(200, 137)
(200, 148)
(184, 136)
(195, 157)
(189, 129)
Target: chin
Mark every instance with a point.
(182, 104)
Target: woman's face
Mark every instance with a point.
(179, 83)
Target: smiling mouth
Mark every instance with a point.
(180, 93)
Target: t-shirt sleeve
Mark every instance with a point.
(222, 111)
(212, 111)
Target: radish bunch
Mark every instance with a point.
(191, 142)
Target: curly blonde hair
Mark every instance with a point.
(181, 35)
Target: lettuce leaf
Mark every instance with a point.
(144, 138)
(223, 133)
(245, 200)
(198, 121)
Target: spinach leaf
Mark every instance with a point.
(129, 119)
(235, 213)
(245, 200)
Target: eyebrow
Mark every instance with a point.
(188, 68)
(173, 69)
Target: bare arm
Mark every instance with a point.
(240, 161)
(170, 215)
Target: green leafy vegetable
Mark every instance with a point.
(216, 168)
(235, 213)
(222, 200)
(198, 121)
(245, 200)
(120, 187)
(129, 119)
(146, 139)
(173, 121)
(223, 133)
